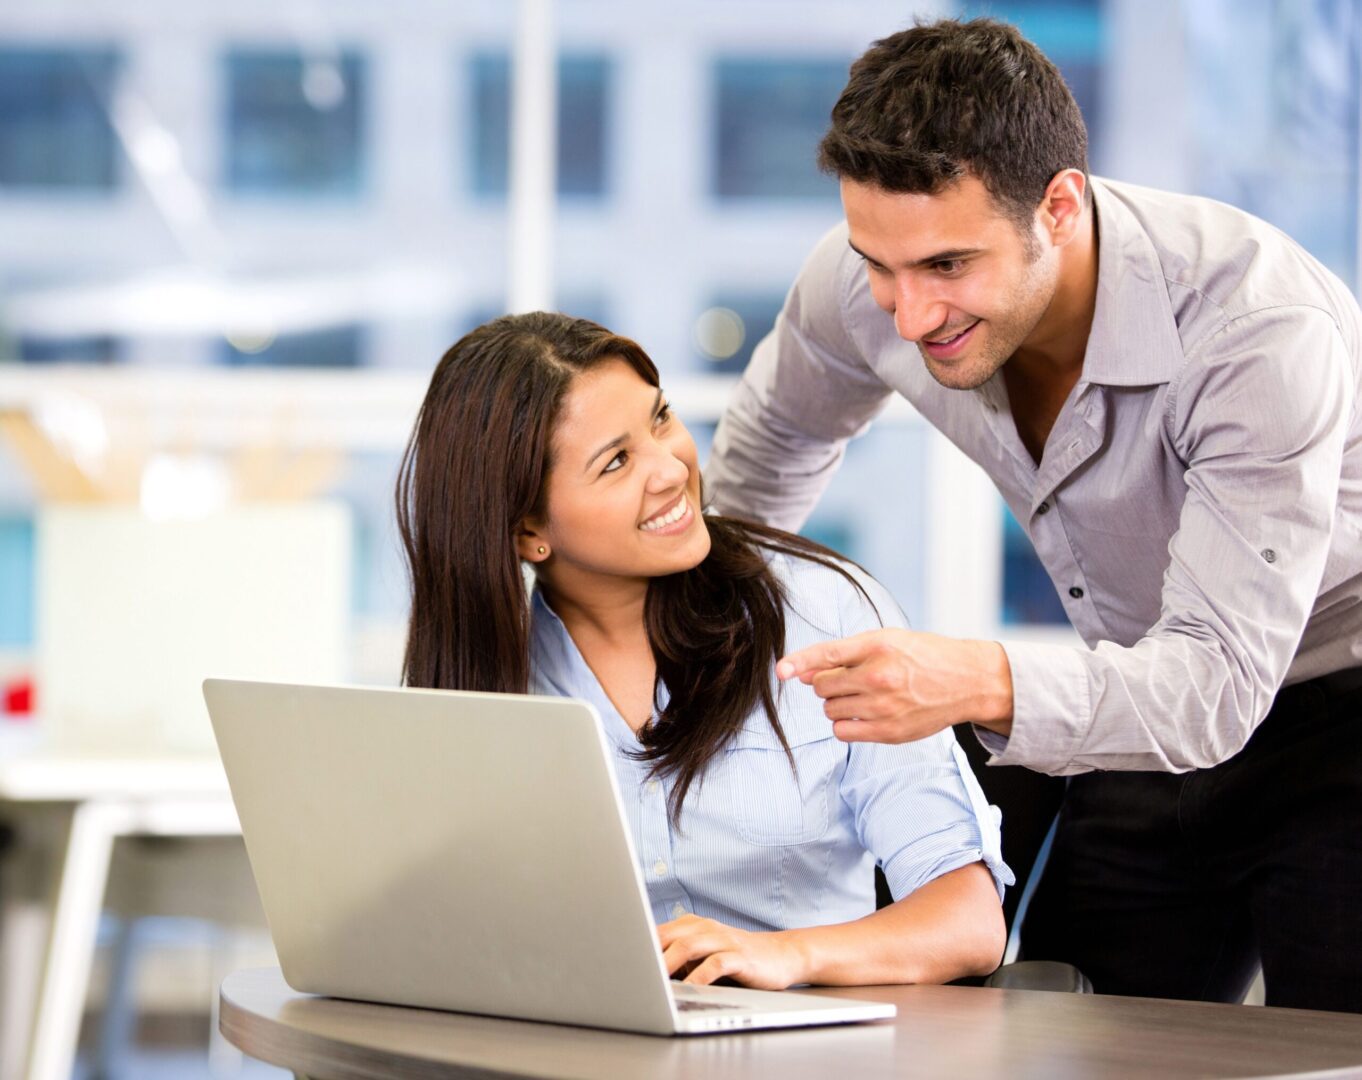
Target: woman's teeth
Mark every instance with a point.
(663, 520)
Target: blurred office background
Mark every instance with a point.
(287, 207)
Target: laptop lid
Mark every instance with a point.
(445, 849)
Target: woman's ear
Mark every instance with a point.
(531, 543)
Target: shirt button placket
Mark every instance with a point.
(657, 853)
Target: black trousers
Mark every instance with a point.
(1179, 886)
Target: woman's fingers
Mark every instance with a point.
(703, 950)
(689, 949)
(715, 966)
(670, 931)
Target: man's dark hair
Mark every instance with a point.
(931, 104)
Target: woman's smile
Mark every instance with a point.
(675, 518)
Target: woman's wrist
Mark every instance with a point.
(832, 956)
(801, 952)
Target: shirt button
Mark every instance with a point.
(1268, 555)
(678, 910)
(653, 785)
(1043, 508)
(1076, 593)
(659, 867)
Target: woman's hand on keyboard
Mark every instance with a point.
(704, 951)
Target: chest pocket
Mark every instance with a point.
(771, 804)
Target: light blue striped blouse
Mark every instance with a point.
(758, 848)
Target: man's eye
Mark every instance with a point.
(616, 463)
(949, 266)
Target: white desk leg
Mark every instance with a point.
(71, 942)
(23, 937)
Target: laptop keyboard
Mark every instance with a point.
(689, 1005)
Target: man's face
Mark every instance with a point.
(960, 278)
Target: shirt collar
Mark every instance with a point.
(552, 653)
(1134, 339)
(558, 667)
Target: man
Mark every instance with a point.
(1165, 391)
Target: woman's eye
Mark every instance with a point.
(663, 415)
(616, 463)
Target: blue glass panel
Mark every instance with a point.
(336, 347)
(769, 116)
(583, 123)
(1072, 33)
(81, 350)
(54, 121)
(16, 582)
(490, 161)
(379, 580)
(756, 314)
(833, 532)
(1029, 595)
(294, 125)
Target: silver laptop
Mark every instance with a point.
(461, 851)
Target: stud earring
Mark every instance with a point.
(542, 550)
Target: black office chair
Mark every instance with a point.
(1030, 805)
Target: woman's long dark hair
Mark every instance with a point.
(477, 466)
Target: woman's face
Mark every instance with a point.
(623, 497)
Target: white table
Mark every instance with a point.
(68, 811)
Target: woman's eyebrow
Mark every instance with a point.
(619, 440)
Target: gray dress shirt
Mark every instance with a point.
(1198, 505)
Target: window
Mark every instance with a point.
(294, 123)
(334, 347)
(54, 123)
(583, 128)
(1070, 33)
(1275, 119)
(584, 305)
(1029, 596)
(80, 350)
(728, 331)
(16, 582)
(769, 118)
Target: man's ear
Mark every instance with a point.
(531, 542)
(1061, 210)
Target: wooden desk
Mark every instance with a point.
(950, 1031)
(69, 810)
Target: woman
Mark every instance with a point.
(546, 441)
